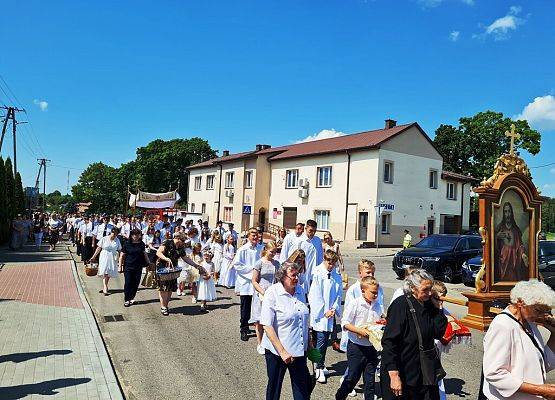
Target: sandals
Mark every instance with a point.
(164, 311)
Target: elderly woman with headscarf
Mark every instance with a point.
(285, 318)
(516, 359)
(411, 368)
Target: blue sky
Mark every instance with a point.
(101, 78)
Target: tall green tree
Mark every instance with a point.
(473, 147)
(10, 189)
(4, 224)
(96, 185)
(19, 197)
(161, 164)
(548, 215)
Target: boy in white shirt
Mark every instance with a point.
(324, 298)
(362, 357)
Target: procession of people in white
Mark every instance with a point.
(291, 289)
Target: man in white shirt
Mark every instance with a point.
(220, 229)
(244, 261)
(231, 232)
(104, 229)
(290, 241)
(310, 233)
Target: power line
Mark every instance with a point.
(64, 167)
(545, 165)
(10, 90)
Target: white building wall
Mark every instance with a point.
(204, 196)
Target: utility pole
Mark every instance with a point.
(43, 162)
(10, 114)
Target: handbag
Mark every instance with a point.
(430, 363)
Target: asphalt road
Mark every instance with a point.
(189, 355)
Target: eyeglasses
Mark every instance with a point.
(293, 277)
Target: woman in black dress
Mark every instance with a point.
(402, 376)
(132, 260)
(169, 253)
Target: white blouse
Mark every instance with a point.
(289, 316)
(244, 262)
(510, 358)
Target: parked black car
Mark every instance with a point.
(469, 270)
(546, 264)
(441, 255)
(546, 261)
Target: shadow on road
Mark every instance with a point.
(29, 254)
(21, 357)
(455, 386)
(46, 388)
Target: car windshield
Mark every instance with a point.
(548, 248)
(435, 241)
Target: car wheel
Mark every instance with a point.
(448, 274)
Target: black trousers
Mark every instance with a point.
(87, 250)
(132, 280)
(78, 247)
(298, 373)
(246, 301)
(361, 360)
(409, 392)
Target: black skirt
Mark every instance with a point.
(54, 235)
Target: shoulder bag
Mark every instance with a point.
(430, 363)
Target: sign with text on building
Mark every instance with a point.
(247, 209)
(386, 207)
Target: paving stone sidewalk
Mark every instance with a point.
(50, 345)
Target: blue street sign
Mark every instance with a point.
(247, 209)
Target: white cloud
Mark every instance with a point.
(43, 105)
(501, 28)
(540, 113)
(454, 36)
(323, 134)
(548, 186)
(435, 3)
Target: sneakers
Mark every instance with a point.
(320, 376)
(326, 372)
(260, 350)
(194, 300)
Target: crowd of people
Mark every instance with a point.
(291, 290)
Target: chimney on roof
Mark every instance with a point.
(225, 153)
(262, 147)
(390, 123)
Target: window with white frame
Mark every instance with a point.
(322, 218)
(451, 191)
(210, 182)
(228, 214)
(248, 179)
(386, 223)
(323, 176)
(388, 171)
(291, 178)
(192, 207)
(229, 176)
(198, 182)
(433, 179)
(203, 208)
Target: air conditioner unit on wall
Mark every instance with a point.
(303, 193)
(303, 183)
(229, 193)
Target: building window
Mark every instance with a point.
(228, 214)
(229, 180)
(433, 179)
(291, 178)
(198, 182)
(386, 223)
(324, 176)
(388, 172)
(248, 179)
(322, 218)
(210, 182)
(203, 208)
(451, 191)
(192, 207)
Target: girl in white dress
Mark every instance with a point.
(206, 286)
(227, 272)
(109, 248)
(217, 249)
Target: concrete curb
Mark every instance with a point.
(114, 388)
